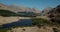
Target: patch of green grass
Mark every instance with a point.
(40, 21)
(43, 22)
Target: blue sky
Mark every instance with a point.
(40, 4)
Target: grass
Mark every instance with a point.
(43, 22)
(40, 21)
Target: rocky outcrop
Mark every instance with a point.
(54, 14)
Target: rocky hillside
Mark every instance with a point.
(46, 10)
(7, 13)
(54, 14)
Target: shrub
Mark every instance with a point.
(55, 30)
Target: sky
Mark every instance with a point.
(40, 4)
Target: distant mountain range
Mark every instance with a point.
(19, 10)
(16, 8)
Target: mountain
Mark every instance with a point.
(55, 14)
(2, 6)
(19, 10)
(46, 11)
(15, 8)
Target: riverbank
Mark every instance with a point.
(4, 20)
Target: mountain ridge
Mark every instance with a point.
(16, 8)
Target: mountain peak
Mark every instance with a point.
(1, 4)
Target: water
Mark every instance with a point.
(24, 22)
